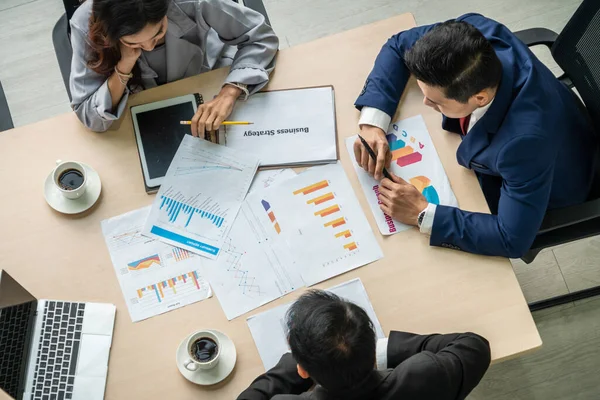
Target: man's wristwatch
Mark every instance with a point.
(420, 218)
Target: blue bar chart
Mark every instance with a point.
(174, 208)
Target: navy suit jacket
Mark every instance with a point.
(535, 139)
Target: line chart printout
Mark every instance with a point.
(415, 160)
(200, 196)
(320, 220)
(154, 276)
(254, 266)
(269, 329)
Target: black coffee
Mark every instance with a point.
(70, 179)
(204, 349)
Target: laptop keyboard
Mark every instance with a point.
(14, 323)
(58, 351)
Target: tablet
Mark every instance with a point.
(158, 134)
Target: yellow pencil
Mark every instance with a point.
(222, 123)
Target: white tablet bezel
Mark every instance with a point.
(154, 182)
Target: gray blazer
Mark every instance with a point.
(202, 35)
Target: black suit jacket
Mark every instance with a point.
(436, 367)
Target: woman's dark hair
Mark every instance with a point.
(332, 339)
(113, 19)
(457, 58)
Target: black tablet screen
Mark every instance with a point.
(161, 135)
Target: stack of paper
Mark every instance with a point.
(290, 127)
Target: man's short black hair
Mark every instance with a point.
(332, 339)
(457, 58)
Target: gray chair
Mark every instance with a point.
(577, 51)
(6, 122)
(61, 35)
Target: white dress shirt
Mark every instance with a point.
(375, 117)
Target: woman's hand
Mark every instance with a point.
(129, 57)
(209, 116)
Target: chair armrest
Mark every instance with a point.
(257, 5)
(568, 216)
(536, 36)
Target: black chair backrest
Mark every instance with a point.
(577, 52)
(5, 118)
(71, 6)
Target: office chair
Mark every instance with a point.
(61, 35)
(577, 51)
(6, 122)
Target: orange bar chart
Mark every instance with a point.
(328, 211)
(321, 199)
(350, 246)
(345, 234)
(312, 188)
(335, 223)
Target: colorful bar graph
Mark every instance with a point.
(171, 283)
(144, 263)
(327, 211)
(181, 254)
(312, 188)
(321, 199)
(350, 246)
(271, 215)
(174, 207)
(412, 158)
(345, 234)
(335, 223)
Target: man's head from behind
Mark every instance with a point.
(332, 340)
(456, 68)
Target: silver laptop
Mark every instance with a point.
(52, 350)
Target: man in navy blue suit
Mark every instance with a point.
(524, 133)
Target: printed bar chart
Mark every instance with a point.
(350, 246)
(328, 211)
(402, 154)
(271, 215)
(335, 223)
(189, 280)
(345, 234)
(181, 254)
(174, 207)
(321, 199)
(312, 188)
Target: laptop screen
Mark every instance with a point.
(17, 309)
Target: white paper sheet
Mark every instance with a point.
(318, 216)
(414, 159)
(154, 277)
(254, 267)
(200, 196)
(269, 329)
(290, 127)
(269, 177)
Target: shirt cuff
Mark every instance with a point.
(375, 117)
(244, 88)
(381, 353)
(427, 224)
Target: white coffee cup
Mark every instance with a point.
(193, 364)
(61, 167)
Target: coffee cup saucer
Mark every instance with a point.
(211, 376)
(60, 203)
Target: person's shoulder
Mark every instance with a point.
(81, 17)
(415, 377)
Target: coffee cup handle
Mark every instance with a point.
(189, 363)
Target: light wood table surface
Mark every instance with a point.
(415, 287)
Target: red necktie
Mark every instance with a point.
(464, 124)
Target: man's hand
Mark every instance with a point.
(209, 116)
(375, 137)
(401, 200)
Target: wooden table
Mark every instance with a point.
(415, 287)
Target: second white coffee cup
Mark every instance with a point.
(79, 177)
